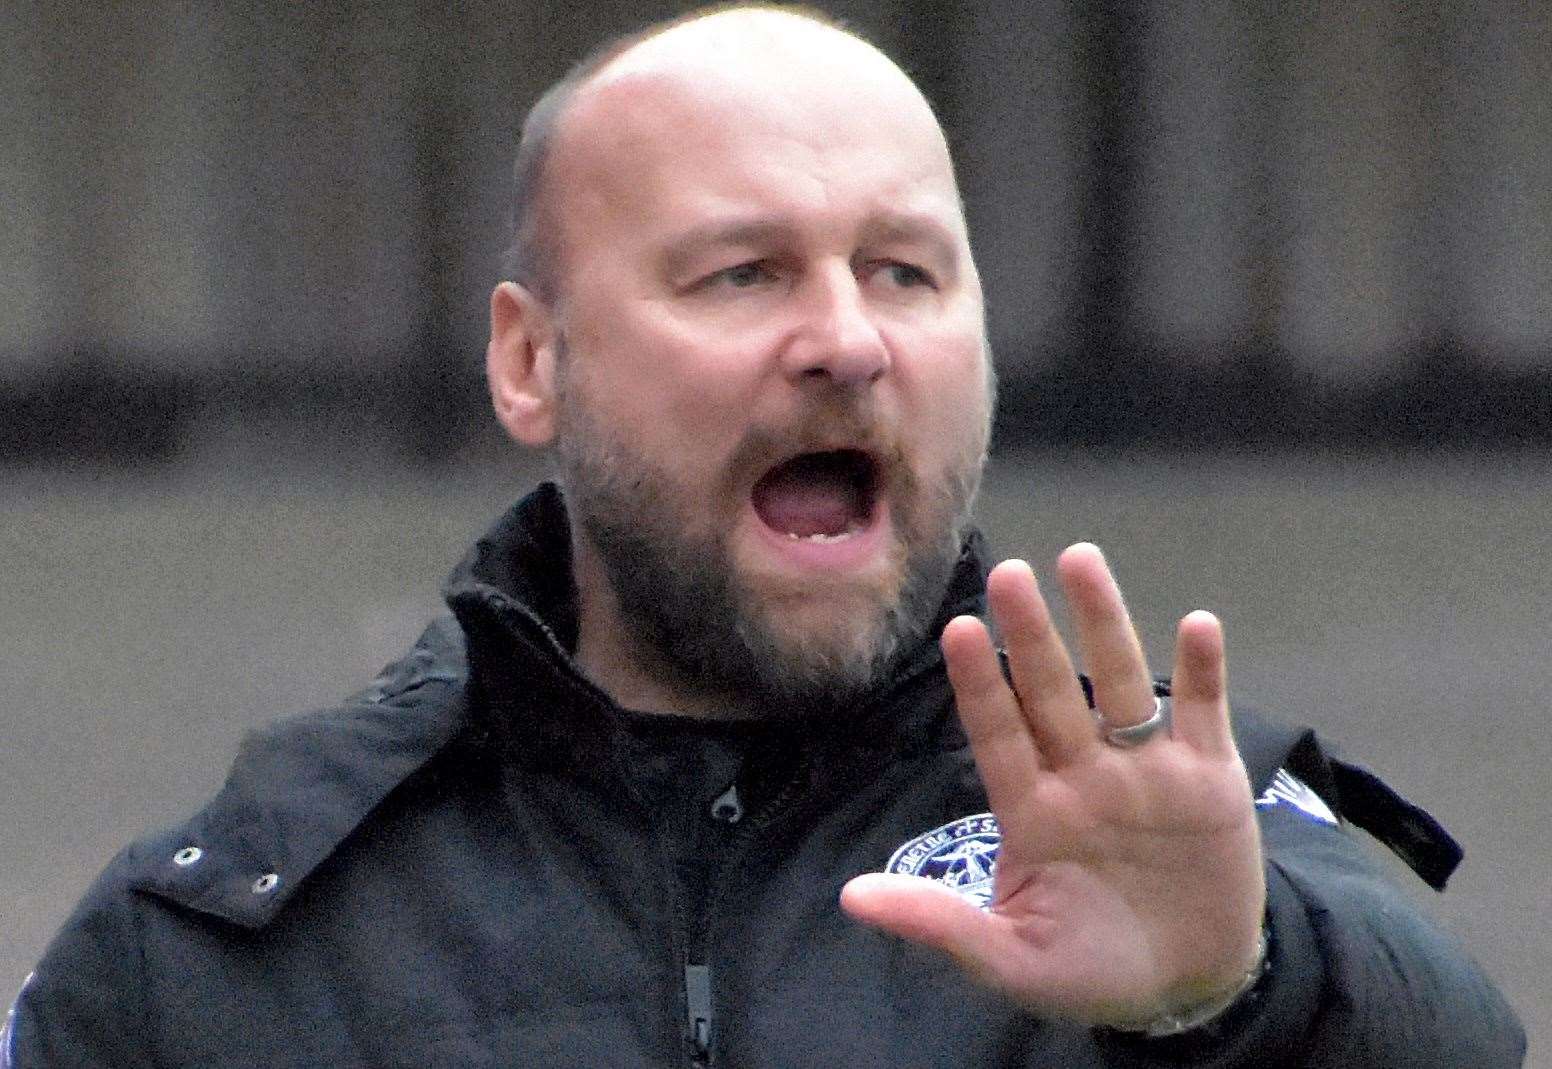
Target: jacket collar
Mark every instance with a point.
(300, 785)
(502, 680)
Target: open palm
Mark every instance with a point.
(1129, 882)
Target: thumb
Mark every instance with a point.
(923, 911)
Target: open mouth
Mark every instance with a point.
(819, 497)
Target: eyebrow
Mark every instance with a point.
(913, 228)
(888, 227)
(719, 234)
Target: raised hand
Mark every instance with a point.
(1129, 883)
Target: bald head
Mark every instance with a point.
(699, 70)
(758, 46)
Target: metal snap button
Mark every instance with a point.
(187, 856)
(265, 883)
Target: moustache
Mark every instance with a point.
(826, 426)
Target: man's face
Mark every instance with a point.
(774, 388)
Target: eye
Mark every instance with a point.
(741, 276)
(907, 276)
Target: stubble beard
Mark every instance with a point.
(704, 628)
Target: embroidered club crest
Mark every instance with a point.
(961, 854)
(1288, 791)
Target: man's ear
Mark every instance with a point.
(520, 363)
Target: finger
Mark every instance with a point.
(1199, 689)
(1005, 752)
(1050, 698)
(1123, 689)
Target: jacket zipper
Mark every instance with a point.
(697, 1001)
(727, 808)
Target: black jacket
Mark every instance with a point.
(481, 861)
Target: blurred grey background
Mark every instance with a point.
(1270, 285)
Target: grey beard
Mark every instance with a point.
(678, 592)
(683, 606)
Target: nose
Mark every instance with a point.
(836, 338)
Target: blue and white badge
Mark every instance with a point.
(1290, 792)
(961, 854)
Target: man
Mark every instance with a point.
(695, 694)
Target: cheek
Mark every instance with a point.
(688, 361)
(660, 390)
(949, 387)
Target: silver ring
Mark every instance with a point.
(1135, 734)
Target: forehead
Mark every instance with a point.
(667, 135)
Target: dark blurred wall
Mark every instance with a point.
(1211, 221)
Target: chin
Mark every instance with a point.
(829, 628)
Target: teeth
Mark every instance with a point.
(820, 537)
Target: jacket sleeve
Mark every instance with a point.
(1396, 990)
(85, 1003)
(1360, 976)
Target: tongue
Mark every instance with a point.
(805, 497)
